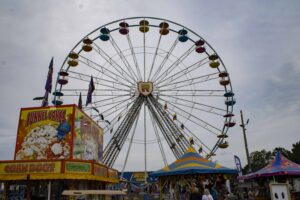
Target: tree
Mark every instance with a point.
(282, 150)
(295, 153)
(258, 160)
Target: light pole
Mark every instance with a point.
(245, 140)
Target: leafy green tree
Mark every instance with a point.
(258, 160)
(284, 151)
(295, 153)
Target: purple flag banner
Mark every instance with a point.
(80, 102)
(91, 90)
(48, 86)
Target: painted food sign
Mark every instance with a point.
(30, 167)
(76, 167)
(88, 138)
(44, 133)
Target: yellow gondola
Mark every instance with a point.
(164, 28)
(223, 74)
(222, 136)
(214, 64)
(224, 81)
(87, 47)
(73, 62)
(213, 57)
(73, 55)
(144, 26)
(223, 145)
(87, 41)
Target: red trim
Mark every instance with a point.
(47, 107)
(72, 133)
(63, 164)
(17, 134)
(93, 168)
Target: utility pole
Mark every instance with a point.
(245, 140)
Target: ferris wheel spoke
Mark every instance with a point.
(124, 110)
(134, 57)
(206, 93)
(154, 57)
(86, 78)
(202, 123)
(111, 108)
(97, 83)
(190, 134)
(164, 60)
(88, 62)
(115, 107)
(198, 141)
(184, 71)
(188, 117)
(190, 81)
(200, 104)
(196, 90)
(97, 106)
(123, 58)
(99, 90)
(158, 140)
(112, 103)
(110, 99)
(144, 52)
(114, 64)
(181, 141)
(175, 64)
(193, 95)
(165, 132)
(193, 107)
(121, 107)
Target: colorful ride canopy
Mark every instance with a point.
(279, 166)
(192, 163)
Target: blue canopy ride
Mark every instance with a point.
(192, 163)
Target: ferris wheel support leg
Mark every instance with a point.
(114, 147)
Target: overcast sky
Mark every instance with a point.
(257, 40)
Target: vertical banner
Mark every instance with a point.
(238, 165)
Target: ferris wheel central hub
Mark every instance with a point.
(145, 88)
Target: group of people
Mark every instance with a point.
(196, 187)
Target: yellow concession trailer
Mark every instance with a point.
(48, 179)
(57, 148)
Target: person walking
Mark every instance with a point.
(207, 195)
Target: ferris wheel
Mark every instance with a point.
(158, 85)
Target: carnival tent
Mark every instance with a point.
(192, 162)
(279, 166)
